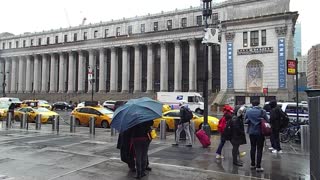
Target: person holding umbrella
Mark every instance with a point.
(138, 115)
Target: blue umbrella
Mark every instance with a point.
(134, 112)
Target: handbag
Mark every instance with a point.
(152, 134)
(265, 126)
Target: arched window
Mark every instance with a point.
(254, 75)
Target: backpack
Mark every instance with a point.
(222, 124)
(188, 114)
(227, 132)
(284, 119)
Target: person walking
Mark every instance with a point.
(141, 142)
(11, 112)
(275, 126)
(253, 117)
(184, 124)
(227, 109)
(238, 136)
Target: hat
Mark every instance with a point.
(241, 111)
(227, 108)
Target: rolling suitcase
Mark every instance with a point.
(203, 138)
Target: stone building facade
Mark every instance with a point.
(159, 52)
(313, 67)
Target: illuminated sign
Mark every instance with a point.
(291, 67)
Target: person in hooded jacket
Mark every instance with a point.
(238, 136)
(275, 126)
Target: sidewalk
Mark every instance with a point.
(47, 155)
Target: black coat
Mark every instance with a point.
(275, 119)
(238, 133)
(126, 150)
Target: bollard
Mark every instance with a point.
(38, 122)
(54, 123)
(305, 138)
(92, 125)
(57, 123)
(113, 132)
(8, 123)
(23, 121)
(163, 128)
(192, 131)
(72, 124)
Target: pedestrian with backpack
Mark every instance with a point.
(227, 109)
(184, 124)
(254, 117)
(275, 120)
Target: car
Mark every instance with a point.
(102, 115)
(118, 104)
(32, 112)
(109, 104)
(14, 100)
(80, 105)
(62, 105)
(172, 115)
(45, 104)
(36, 103)
(4, 107)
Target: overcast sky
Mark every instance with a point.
(19, 16)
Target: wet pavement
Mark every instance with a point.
(43, 154)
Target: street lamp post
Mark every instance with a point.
(206, 12)
(4, 84)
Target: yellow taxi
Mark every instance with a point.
(172, 115)
(166, 108)
(36, 103)
(102, 115)
(46, 115)
(4, 107)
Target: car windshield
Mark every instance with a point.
(42, 110)
(105, 111)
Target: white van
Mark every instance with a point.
(193, 99)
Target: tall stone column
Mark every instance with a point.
(102, 71)
(177, 66)
(61, 73)
(44, 83)
(192, 65)
(71, 80)
(125, 73)
(114, 71)
(210, 68)
(137, 69)
(81, 71)
(29, 76)
(53, 85)
(149, 68)
(21, 76)
(92, 67)
(8, 75)
(163, 67)
(13, 74)
(36, 74)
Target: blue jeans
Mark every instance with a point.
(222, 141)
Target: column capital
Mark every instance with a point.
(176, 42)
(124, 47)
(192, 40)
(149, 44)
(163, 43)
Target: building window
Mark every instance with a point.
(254, 38)
(10, 45)
(118, 31)
(199, 20)
(184, 22)
(245, 39)
(48, 40)
(129, 30)
(24, 43)
(75, 37)
(106, 33)
(95, 34)
(155, 26)
(85, 36)
(17, 44)
(56, 40)
(65, 38)
(3, 45)
(263, 37)
(169, 24)
(31, 42)
(143, 28)
(39, 42)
